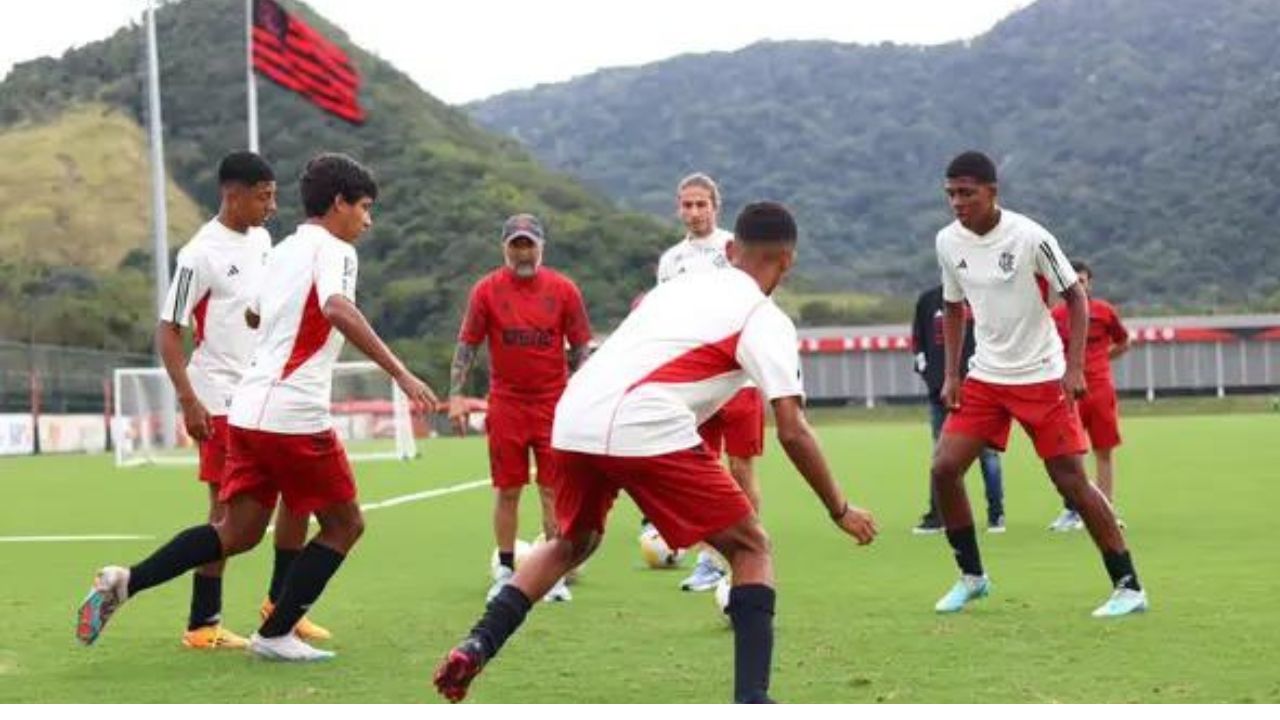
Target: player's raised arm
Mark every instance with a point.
(348, 320)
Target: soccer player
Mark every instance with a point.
(737, 430)
(926, 342)
(628, 421)
(1003, 263)
(217, 271)
(526, 312)
(1106, 340)
(281, 437)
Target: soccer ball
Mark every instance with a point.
(721, 596)
(655, 551)
(522, 551)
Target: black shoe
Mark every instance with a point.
(930, 524)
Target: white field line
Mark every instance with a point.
(389, 502)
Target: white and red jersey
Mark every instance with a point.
(665, 370)
(1006, 275)
(695, 255)
(288, 384)
(217, 273)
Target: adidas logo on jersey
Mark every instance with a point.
(233, 271)
(963, 265)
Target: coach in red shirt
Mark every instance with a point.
(526, 312)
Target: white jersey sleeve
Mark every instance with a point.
(189, 284)
(952, 290)
(1052, 264)
(335, 271)
(768, 351)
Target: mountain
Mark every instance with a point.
(446, 185)
(1143, 133)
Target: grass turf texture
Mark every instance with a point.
(854, 625)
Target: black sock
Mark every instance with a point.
(316, 563)
(502, 617)
(965, 544)
(189, 549)
(643, 521)
(206, 601)
(1120, 568)
(507, 560)
(280, 571)
(751, 609)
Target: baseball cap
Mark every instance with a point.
(522, 225)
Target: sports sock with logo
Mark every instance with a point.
(189, 549)
(751, 610)
(502, 617)
(311, 572)
(1120, 568)
(280, 572)
(206, 601)
(965, 544)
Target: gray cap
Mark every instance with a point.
(522, 225)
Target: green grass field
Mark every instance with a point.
(854, 624)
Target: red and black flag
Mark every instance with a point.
(290, 52)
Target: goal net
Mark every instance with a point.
(370, 414)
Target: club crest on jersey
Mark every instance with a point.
(1006, 262)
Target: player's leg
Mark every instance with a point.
(204, 620)
(509, 473)
(290, 537)
(548, 479)
(1104, 470)
(341, 526)
(751, 607)
(931, 522)
(993, 485)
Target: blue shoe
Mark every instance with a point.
(1123, 602)
(967, 589)
(705, 576)
(110, 590)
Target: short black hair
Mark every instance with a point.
(972, 164)
(1081, 266)
(246, 168)
(765, 223)
(329, 175)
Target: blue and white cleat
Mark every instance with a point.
(705, 576)
(1123, 602)
(967, 589)
(110, 590)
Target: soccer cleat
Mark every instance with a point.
(930, 524)
(558, 593)
(1122, 602)
(996, 524)
(287, 648)
(304, 628)
(213, 637)
(967, 589)
(501, 577)
(463, 663)
(110, 590)
(705, 576)
(1067, 521)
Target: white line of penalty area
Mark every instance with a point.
(389, 502)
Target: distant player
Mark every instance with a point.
(1099, 409)
(1002, 263)
(737, 430)
(926, 342)
(628, 421)
(526, 313)
(217, 271)
(282, 441)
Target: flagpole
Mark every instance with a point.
(159, 214)
(251, 82)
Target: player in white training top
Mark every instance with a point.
(282, 443)
(629, 421)
(217, 273)
(1004, 265)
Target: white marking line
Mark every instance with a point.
(426, 495)
(70, 538)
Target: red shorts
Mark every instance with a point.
(988, 410)
(310, 472)
(213, 452)
(737, 429)
(1099, 412)
(688, 494)
(516, 427)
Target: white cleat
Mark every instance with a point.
(705, 576)
(110, 590)
(967, 589)
(1123, 602)
(501, 577)
(287, 648)
(1069, 520)
(559, 593)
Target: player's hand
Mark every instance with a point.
(197, 419)
(950, 394)
(458, 414)
(859, 523)
(1073, 383)
(421, 398)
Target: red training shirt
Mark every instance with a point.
(1105, 330)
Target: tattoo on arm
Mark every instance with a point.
(578, 354)
(463, 356)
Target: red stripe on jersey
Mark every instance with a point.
(700, 363)
(313, 333)
(199, 312)
(1043, 284)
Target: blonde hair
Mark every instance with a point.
(704, 181)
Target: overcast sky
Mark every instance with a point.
(476, 48)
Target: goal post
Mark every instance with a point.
(370, 414)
